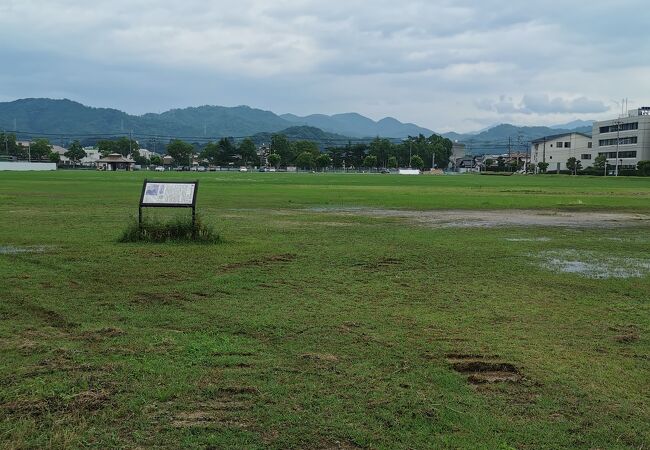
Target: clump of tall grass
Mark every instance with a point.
(176, 230)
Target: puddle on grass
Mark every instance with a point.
(14, 250)
(593, 265)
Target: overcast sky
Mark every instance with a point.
(447, 65)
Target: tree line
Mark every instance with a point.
(419, 152)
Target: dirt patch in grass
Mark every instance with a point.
(260, 262)
(479, 370)
(379, 264)
(323, 357)
(101, 334)
(82, 402)
(495, 218)
(159, 298)
(228, 409)
(626, 334)
(52, 318)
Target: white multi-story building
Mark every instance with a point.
(625, 140)
(557, 149)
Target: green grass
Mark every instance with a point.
(179, 229)
(309, 329)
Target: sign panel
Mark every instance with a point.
(159, 193)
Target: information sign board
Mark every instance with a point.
(168, 194)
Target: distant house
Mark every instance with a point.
(558, 148)
(115, 161)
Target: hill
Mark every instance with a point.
(356, 125)
(70, 119)
(498, 139)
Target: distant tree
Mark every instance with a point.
(274, 160)
(337, 156)
(542, 166)
(180, 151)
(8, 145)
(248, 152)
(323, 160)
(75, 152)
(644, 168)
(501, 164)
(417, 162)
(282, 147)
(124, 146)
(139, 159)
(381, 149)
(156, 160)
(573, 165)
(531, 168)
(212, 153)
(392, 162)
(600, 162)
(299, 147)
(40, 149)
(54, 157)
(305, 160)
(227, 150)
(489, 162)
(370, 161)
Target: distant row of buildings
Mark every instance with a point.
(624, 141)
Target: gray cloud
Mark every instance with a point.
(543, 104)
(423, 61)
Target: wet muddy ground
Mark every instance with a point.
(495, 218)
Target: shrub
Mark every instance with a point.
(177, 230)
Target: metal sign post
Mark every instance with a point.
(168, 194)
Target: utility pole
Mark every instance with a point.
(510, 152)
(130, 142)
(410, 145)
(618, 142)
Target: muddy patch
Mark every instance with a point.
(481, 370)
(495, 218)
(52, 318)
(101, 334)
(627, 334)
(83, 402)
(320, 357)
(228, 409)
(260, 262)
(16, 250)
(590, 264)
(379, 264)
(158, 298)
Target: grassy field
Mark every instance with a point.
(309, 328)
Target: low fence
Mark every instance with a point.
(24, 166)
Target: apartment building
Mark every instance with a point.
(626, 139)
(557, 149)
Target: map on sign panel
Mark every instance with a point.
(168, 194)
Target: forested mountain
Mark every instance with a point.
(66, 117)
(356, 125)
(64, 120)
